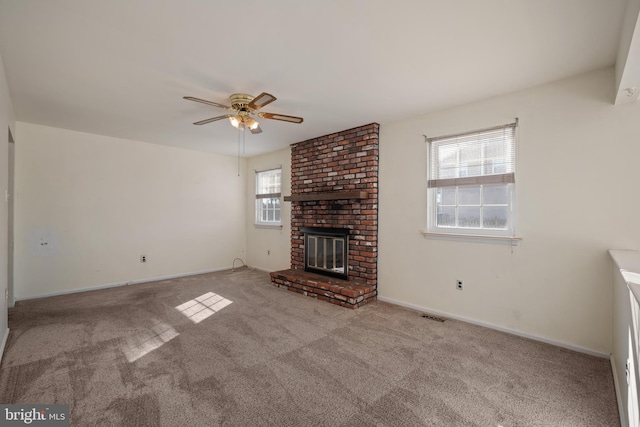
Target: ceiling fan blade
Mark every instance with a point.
(204, 101)
(282, 117)
(256, 129)
(213, 119)
(261, 100)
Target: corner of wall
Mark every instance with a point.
(7, 121)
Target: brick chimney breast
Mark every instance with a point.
(342, 164)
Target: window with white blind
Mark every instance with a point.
(472, 182)
(268, 197)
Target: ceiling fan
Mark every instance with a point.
(245, 109)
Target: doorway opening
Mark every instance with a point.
(9, 295)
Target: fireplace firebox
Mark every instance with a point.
(326, 251)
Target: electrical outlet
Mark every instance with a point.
(459, 285)
(143, 258)
(626, 372)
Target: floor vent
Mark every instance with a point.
(430, 317)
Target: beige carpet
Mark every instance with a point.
(229, 349)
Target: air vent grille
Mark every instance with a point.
(432, 317)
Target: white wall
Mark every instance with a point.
(269, 248)
(6, 122)
(577, 196)
(87, 207)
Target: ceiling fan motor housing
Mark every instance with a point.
(240, 103)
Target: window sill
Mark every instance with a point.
(512, 240)
(269, 226)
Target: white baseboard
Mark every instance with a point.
(113, 285)
(496, 327)
(616, 383)
(4, 343)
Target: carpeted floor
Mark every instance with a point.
(228, 348)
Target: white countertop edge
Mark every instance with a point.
(628, 261)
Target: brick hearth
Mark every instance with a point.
(325, 288)
(341, 163)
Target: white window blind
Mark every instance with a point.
(483, 157)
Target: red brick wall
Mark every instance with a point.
(343, 161)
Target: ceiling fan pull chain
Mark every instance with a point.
(239, 152)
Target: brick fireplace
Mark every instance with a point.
(334, 185)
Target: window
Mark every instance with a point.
(472, 182)
(268, 197)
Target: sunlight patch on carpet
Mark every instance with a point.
(148, 341)
(203, 306)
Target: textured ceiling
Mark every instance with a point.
(121, 68)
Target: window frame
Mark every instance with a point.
(506, 177)
(274, 196)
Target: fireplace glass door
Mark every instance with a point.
(326, 252)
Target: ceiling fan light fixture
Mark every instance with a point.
(251, 123)
(235, 121)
